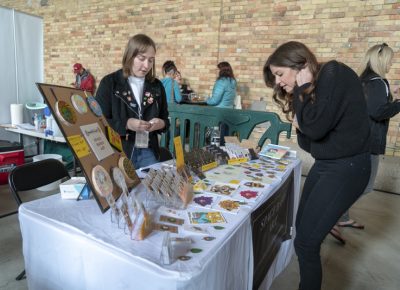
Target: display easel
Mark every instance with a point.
(85, 129)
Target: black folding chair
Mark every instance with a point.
(33, 175)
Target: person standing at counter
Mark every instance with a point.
(327, 105)
(224, 91)
(223, 94)
(134, 102)
(171, 86)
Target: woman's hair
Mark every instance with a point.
(294, 55)
(137, 44)
(225, 70)
(169, 67)
(377, 59)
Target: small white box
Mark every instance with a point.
(72, 188)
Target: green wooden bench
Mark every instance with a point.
(241, 123)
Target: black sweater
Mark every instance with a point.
(380, 108)
(336, 124)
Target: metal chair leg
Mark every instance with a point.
(21, 276)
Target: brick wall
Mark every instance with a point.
(199, 34)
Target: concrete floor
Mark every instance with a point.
(369, 261)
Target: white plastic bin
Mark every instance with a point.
(54, 185)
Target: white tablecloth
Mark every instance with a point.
(72, 245)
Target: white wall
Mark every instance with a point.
(21, 59)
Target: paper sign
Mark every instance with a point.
(97, 141)
(114, 138)
(79, 145)
(180, 161)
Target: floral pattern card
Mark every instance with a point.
(221, 188)
(247, 194)
(226, 204)
(212, 217)
(204, 200)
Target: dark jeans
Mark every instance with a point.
(331, 187)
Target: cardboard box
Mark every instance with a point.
(74, 188)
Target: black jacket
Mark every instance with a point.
(380, 109)
(118, 104)
(336, 124)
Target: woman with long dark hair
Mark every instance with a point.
(328, 109)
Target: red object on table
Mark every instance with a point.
(11, 155)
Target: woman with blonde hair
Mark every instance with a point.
(381, 107)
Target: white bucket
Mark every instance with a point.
(54, 185)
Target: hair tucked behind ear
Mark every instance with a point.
(294, 55)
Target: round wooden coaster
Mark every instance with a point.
(94, 106)
(65, 113)
(102, 181)
(127, 169)
(79, 104)
(119, 178)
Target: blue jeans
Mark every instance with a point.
(142, 157)
(331, 187)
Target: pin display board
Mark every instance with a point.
(91, 139)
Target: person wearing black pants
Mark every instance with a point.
(326, 105)
(332, 186)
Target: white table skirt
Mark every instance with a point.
(71, 245)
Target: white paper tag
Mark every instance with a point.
(142, 139)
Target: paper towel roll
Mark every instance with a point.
(17, 113)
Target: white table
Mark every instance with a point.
(71, 245)
(33, 133)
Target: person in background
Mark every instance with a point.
(134, 102)
(84, 80)
(329, 111)
(185, 88)
(223, 94)
(381, 107)
(171, 86)
(224, 91)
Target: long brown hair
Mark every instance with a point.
(294, 55)
(225, 70)
(137, 44)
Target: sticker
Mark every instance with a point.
(127, 169)
(184, 258)
(94, 106)
(172, 220)
(79, 104)
(65, 113)
(102, 181)
(196, 250)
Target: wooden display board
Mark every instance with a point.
(85, 129)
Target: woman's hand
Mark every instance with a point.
(304, 76)
(295, 123)
(138, 125)
(156, 124)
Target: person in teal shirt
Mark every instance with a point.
(223, 94)
(224, 91)
(171, 86)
